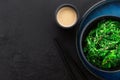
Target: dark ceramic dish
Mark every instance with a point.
(67, 5)
(102, 8)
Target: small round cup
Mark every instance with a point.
(73, 8)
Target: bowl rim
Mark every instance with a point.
(80, 44)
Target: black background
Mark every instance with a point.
(27, 32)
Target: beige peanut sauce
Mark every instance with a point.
(67, 16)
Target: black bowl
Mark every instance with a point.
(71, 6)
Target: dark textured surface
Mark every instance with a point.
(27, 30)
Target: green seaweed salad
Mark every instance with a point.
(102, 47)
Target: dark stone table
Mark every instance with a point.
(27, 33)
